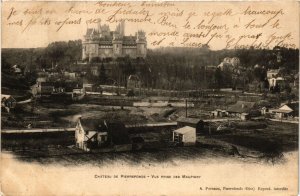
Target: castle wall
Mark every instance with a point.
(91, 50)
(130, 51)
(141, 50)
(105, 51)
(117, 49)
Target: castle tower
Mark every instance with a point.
(117, 43)
(122, 28)
(141, 44)
(83, 51)
(99, 26)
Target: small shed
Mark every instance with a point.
(185, 136)
(196, 123)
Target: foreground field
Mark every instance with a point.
(251, 145)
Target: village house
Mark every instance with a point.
(91, 87)
(70, 75)
(272, 73)
(58, 88)
(264, 110)
(54, 76)
(16, 70)
(71, 85)
(41, 79)
(219, 113)
(289, 110)
(42, 74)
(46, 88)
(229, 63)
(241, 109)
(275, 81)
(42, 88)
(185, 136)
(8, 102)
(92, 134)
(78, 93)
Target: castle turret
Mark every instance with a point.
(90, 44)
(141, 44)
(117, 43)
(122, 28)
(99, 26)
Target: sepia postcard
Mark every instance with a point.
(149, 98)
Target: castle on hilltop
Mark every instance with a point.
(102, 43)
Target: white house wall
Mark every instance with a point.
(79, 136)
(189, 137)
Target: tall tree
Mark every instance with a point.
(102, 75)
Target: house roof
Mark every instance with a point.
(18, 70)
(93, 125)
(294, 106)
(241, 107)
(185, 130)
(281, 111)
(5, 96)
(218, 110)
(189, 120)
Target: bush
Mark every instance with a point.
(130, 93)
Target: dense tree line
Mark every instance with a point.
(167, 68)
(29, 59)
